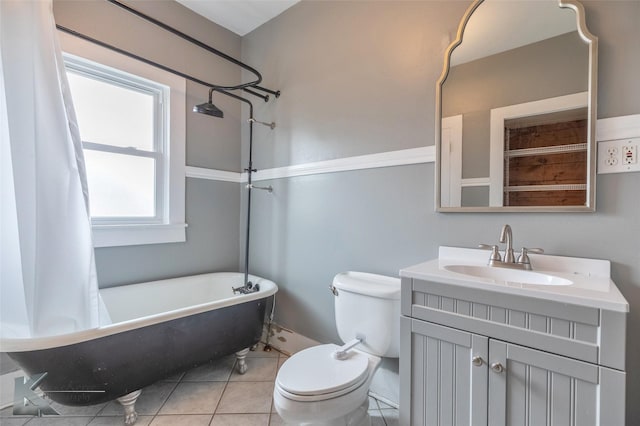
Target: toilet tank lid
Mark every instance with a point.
(368, 284)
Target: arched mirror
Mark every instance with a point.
(516, 110)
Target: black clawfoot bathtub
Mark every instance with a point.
(159, 328)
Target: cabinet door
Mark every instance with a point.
(530, 387)
(441, 383)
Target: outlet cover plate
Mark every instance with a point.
(611, 155)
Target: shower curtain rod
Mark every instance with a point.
(219, 88)
(164, 67)
(197, 43)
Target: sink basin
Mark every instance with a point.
(514, 276)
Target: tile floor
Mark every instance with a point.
(210, 395)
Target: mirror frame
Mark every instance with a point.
(592, 42)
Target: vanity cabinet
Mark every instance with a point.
(477, 357)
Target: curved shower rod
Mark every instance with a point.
(218, 88)
(200, 44)
(222, 89)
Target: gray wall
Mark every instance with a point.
(211, 207)
(358, 78)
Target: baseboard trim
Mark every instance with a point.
(385, 400)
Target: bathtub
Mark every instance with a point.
(158, 329)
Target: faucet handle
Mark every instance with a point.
(495, 254)
(524, 258)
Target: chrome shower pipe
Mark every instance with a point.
(248, 286)
(272, 125)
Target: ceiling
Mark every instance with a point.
(523, 22)
(239, 16)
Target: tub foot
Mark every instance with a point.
(242, 363)
(128, 402)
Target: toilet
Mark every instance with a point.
(329, 384)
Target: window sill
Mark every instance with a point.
(132, 235)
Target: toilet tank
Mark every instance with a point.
(368, 305)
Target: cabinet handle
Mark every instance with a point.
(477, 361)
(497, 367)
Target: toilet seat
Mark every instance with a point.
(313, 374)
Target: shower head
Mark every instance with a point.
(209, 108)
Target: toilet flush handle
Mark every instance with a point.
(343, 352)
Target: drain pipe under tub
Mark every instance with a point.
(267, 346)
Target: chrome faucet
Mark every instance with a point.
(507, 237)
(509, 261)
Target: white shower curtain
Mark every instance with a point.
(48, 279)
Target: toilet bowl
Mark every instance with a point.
(328, 385)
(313, 388)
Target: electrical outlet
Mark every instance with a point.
(612, 156)
(629, 154)
(611, 160)
(618, 156)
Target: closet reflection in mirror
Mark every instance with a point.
(516, 110)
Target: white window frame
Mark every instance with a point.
(169, 224)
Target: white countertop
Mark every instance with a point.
(592, 285)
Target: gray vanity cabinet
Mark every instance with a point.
(538, 388)
(445, 387)
(474, 357)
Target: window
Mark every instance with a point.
(121, 123)
(131, 119)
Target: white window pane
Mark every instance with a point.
(111, 114)
(120, 185)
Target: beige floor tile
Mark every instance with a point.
(282, 360)
(182, 420)
(259, 370)
(194, 398)
(13, 421)
(60, 421)
(148, 403)
(119, 421)
(214, 371)
(276, 420)
(240, 420)
(246, 397)
(86, 411)
(175, 378)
